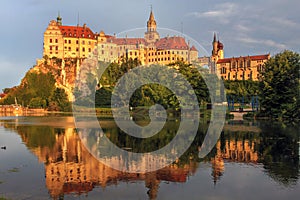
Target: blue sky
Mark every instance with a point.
(244, 27)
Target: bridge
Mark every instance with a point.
(238, 114)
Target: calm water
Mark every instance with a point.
(45, 159)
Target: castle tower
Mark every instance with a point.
(151, 35)
(218, 49)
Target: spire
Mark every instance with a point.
(151, 24)
(59, 19)
(215, 37)
(151, 35)
(151, 18)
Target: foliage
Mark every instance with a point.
(279, 90)
(37, 102)
(103, 97)
(237, 89)
(38, 90)
(59, 101)
(34, 85)
(151, 94)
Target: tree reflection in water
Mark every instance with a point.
(70, 168)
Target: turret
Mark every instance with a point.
(59, 19)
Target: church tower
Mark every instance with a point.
(218, 49)
(151, 35)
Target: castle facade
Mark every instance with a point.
(65, 42)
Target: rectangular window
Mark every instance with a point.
(56, 40)
(76, 41)
(69, 41)
(50, 40)
(66, 41)
(50, 47)
(90, 50)
(77, 49)
(56, 48)
(83, 49)
(69, 48)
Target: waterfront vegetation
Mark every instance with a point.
(278, 91)
(280, 88)
(37, 90)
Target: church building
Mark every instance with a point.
(236, 68)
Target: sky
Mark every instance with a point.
(244, 27)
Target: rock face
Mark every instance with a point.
(64, 72)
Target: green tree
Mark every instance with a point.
(38, 102)
(59, 101)
(279, 90)
(103, 97)
(236, 89)
(33, 85)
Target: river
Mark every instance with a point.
(43, 157)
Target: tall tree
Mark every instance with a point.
(279, 90)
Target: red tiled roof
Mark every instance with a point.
(225, 60)
(256, 57)
(172, 43)
(2, 95)
(193, 48)
(77, 32)
(128, 41)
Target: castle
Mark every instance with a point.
(65, 42)
(77, 42)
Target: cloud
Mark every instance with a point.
(242, 28)
(268, 42)
(221, 12)
(285, 22)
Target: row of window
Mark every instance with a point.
(75, 35)
(77, 42)
(223, 70)
(235, 76)
(241, 64)
(51, 40)
(164, 59)
(70, 41)
(166, 53)
(69, 48)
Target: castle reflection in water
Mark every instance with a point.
(70, 168)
